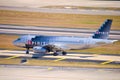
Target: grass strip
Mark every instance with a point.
(56, 19)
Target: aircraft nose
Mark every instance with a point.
(18, 43)
(15, 43)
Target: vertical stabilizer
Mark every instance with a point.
(103, 31)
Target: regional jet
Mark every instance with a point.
(59, 44)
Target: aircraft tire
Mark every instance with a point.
(27, 51)
(55, 54)
(64, 53)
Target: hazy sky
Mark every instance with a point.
(39, 3)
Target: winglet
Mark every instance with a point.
(103, 31)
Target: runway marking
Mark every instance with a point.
(12, 57)
(107, 62)
(5, 50)
(95, 54)
(50, 68)
(59, 59)
(100, 70)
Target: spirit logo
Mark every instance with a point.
(101, 32)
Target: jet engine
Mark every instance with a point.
(38, 49)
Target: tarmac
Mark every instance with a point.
(66, 11)
(71, 56)
(34, 30)
(19, 72)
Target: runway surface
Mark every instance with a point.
(12, 29)
(41, 3)
(67, 11)
(18, 72)
(102, 59)
(22, 72)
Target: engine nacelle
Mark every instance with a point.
(38, 49)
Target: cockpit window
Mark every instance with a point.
(18, 39)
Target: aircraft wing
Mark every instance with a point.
(49, 48)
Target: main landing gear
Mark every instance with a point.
(57, 53)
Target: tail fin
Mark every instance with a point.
(103, 31)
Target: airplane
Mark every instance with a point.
(59, 44)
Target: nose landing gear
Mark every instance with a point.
(27, 51)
